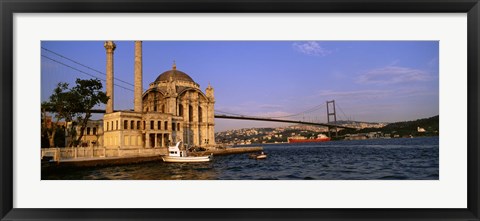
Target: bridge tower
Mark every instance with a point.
(331, 113)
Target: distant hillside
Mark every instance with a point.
(357, 122)
(431, 125)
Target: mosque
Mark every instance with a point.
(172, 109)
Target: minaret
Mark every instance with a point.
(138, 77)
(109, 47)
(209, 91)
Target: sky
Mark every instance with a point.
(370, 81)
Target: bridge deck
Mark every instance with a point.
(279, 120)
(222, 116)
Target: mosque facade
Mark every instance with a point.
(172, 109)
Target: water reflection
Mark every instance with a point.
(155, 171)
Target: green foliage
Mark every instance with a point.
(432, 122)
(87, 94)
(60, 103)
(74, 105)
(44, 139)
(405, 128)
(431, 125)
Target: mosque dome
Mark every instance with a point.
(175, 75)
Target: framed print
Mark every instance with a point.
(240, 110)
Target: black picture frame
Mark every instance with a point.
(9, 7)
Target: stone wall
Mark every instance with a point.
(94, 153)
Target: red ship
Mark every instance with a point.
(301, 139)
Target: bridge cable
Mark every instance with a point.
(346, 118)
(318, 107)
(219, 111)
(85, 66)
(83, 72)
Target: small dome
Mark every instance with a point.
(174, 74)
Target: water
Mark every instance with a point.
(385, 159)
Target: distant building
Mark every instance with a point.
(93, 134)
(49, 122)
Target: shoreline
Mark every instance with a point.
(333, 140)
(124, 160)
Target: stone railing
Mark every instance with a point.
(98, 152)
(73, 152)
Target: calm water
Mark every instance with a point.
(389, 159)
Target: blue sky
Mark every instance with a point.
(374, 81)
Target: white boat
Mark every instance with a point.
(262, 156)
(175, 155)
(258, 156)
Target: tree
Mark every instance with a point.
(59, 103)
(60, 137)
(88, 94)
(73, 105)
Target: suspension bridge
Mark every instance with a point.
(225, 115)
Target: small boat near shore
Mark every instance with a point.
(258, 156)
(175, 155)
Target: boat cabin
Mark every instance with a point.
(174, 151)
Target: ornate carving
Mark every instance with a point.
(110, 46)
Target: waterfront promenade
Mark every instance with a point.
(89, 156)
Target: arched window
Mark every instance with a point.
(94, 131)
(155, 101)
(190, 113)
(180, 110)
(200, 118)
